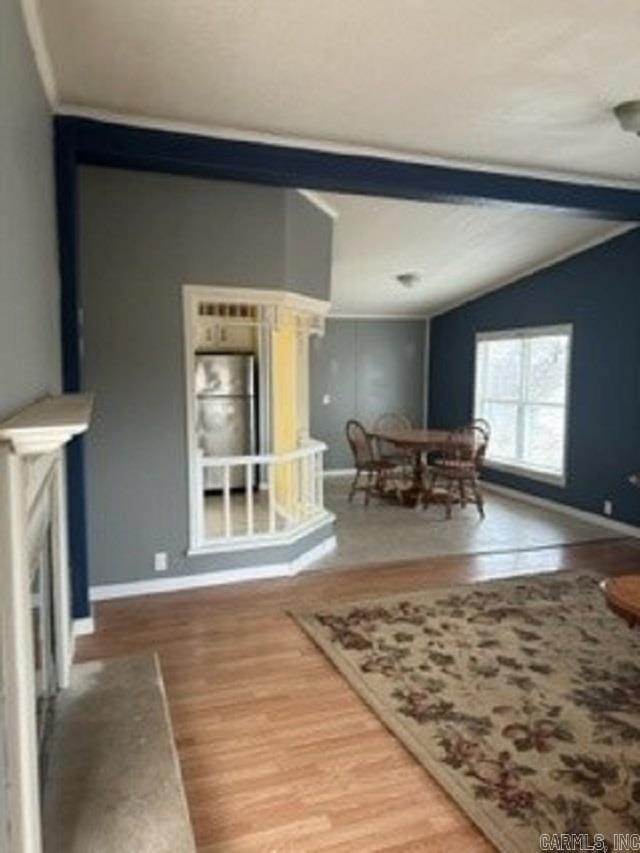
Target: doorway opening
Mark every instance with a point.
(255, 473)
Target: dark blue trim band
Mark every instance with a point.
(182, 153)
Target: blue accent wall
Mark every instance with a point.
(599, 292)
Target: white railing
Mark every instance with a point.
(262, 498)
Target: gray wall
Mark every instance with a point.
(29, 346)
(309, 233)
(142, 236)
(29, 331)
(367, 367)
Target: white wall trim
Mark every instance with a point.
(35, 33)
(83, 627)
(321, 203)
(623, 228)
(250, 573)
(581, 514)
(79, 628)
(293, 141)
(346, 316)
(340, 472)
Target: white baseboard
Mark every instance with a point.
(340, 472)
(306, 561)
(79, 628)
(104, 592)
(583, 515)
(84, 626)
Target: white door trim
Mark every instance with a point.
(271, 302)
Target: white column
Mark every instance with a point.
(199, 499)
(309, 484)
(249, 491)
(17, 640)
(227, 500)
(60, 568)
(271, 475)
(319, 481)
(302, 376)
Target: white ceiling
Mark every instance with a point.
(498, 82)
(459, 250)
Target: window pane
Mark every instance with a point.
(502, 369)
(547, 369)
(503, 418)
(521, 389)
(544, 437)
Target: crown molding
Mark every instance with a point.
(337, 147)
(318, 201)
(379, 316)
(624, 228)
(35, 34)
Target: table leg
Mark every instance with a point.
(413, 494)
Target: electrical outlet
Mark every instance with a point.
(607, 509)
(326, 399)
(160, 561)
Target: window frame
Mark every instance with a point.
(517, 468)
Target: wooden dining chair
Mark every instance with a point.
(392, 422)
(484, 425)
(459, 468)
(367, 462)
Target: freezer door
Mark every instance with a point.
(224, 375)
(225, 426)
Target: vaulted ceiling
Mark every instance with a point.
(458, 251)
(504, 83)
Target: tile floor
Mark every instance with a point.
(385, 531)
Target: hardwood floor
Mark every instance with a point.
(277, 752)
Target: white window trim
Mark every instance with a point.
(517, 469)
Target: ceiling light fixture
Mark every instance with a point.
(628, 114)
(408, 279)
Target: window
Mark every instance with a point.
(522, 389)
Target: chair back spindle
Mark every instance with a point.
(359, 442)
(466, 446)
(484, 425)
(389, 422)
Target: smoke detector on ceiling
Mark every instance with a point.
(628, 114)
(408, 279)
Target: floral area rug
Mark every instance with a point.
(521, 697)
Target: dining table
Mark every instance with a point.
(417, 443)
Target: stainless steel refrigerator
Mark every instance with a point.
(225, 412)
